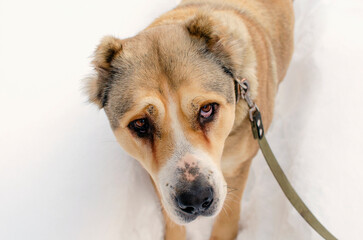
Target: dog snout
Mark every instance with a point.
(195, 201)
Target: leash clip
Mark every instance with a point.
(245, 95)
(254, 113)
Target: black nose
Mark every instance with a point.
(195, 201)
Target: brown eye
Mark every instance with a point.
(140, 126)
(207, 112)
(139, 123)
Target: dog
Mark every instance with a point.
(170, 96)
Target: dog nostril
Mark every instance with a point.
(190, 210)
(206, 204)
(183, 207)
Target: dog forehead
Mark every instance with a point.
(158, 59)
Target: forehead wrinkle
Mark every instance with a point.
(166, 65)
(176, 61)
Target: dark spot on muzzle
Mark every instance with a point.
(188, 172)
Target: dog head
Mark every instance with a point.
(169, 95)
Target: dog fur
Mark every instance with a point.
(184, 60)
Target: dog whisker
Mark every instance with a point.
(231, 191)
(233, 198)
(234, 201)
(230, 209)
(224, 210)
(231, 195)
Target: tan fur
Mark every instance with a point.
(180, 63)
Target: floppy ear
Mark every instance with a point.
(98, 84)
(226, 48)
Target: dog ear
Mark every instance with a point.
(98, 85)
(225, 48)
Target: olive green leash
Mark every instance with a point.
(258, 133)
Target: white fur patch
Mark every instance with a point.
(184, 153)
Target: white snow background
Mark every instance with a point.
(64, 177)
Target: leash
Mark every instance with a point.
(259, 134)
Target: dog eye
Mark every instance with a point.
(140, 126)
(207, 112)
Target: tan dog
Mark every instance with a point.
(170, 97)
